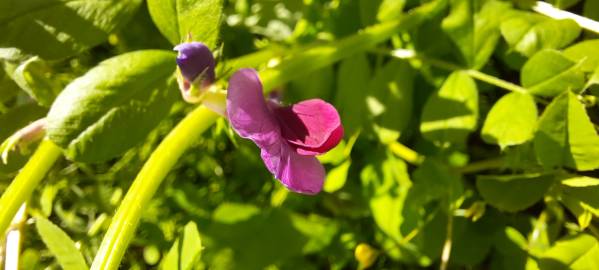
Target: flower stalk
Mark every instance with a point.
(26, 181)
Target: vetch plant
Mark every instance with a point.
(422, 128)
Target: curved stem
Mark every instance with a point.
(125, 221)
(26, 181)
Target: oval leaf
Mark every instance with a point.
(513, 192)
(450, 114)
(549, 73)
(511, 121)
(588, 51)
(61, 245)
(566, 136)
(113, 106)
(40, 27)
(176, 19)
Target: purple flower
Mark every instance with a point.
(196, 69)
(288, 137)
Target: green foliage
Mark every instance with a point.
(566, 136)
(451, 113)
(550, 73)
(513, 192)
(186, 251)
(511, 121)
(39, 27)
(470, 135)
(61, 245)
(178, 19)
(109, 109)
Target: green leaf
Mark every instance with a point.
(186, 251)
(434, 180)
(450, 114)
(511, 121)
(529, 33)
(513, 193)
(336, 177)
(390, 10)
(549, 73)
(61, 246)
(474, 29)
(582, 211)
(352, 84)
(113, 106)
(580, 181)
(389, 99)
(387, 182)
(56, 29)
(586, 52)
(35, 77)
(566, 136)
(178, 18)
(574, 252)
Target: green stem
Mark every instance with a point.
(26, 181)
(482, 165)
(492, 80)
(124, 223)
(146, 183)
(406, 153)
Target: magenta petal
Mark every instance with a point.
(247, 111)
(302, 174)
(312, 126)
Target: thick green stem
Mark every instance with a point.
(145, 185)
(26, 181)
(122, 228)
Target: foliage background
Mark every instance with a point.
(510, 175)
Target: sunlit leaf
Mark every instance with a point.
(511, 121)
(185, 252)
(575, 252)
(61, 245)
(58, 29)
(450, 114)
(177, 19)
(389, 99)
(566, 136)
(550, 73)
(530, 33)
(513, 192)
(113, 106)
(586, 52)
(475, 29)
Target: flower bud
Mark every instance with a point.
(365, 255)
(195, 70)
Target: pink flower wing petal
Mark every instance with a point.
(302, 174)
(311, 126)
(247, 111)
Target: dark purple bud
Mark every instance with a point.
(196, 64)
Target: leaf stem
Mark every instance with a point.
(406, 153)
(446, 252)
(492, 80)
(26, 181)
(482, 165)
